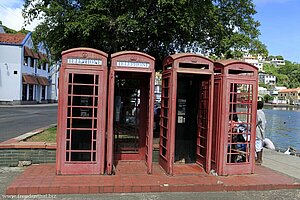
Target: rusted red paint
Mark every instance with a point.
(184, 64)
(136, 66)
(235, 93)
(82, 102)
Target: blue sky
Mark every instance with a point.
(280, 27)
(12, 3)
(280, 24)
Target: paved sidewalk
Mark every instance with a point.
(286, 164)
(131, 177)
(272, 159)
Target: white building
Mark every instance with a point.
(1, 29)
(23, 72)
(266, 78)
(292, 95)
(257, 61)
(53, 80)
(276, 98)
(277, 62)
(276, 89)
(263, 91)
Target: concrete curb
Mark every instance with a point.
(18, 142)
(29, 105)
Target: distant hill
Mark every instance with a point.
(9, 30)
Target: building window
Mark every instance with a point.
(39, 64)
(31, 62)
(24, 92)
(26, 61)
(30, 93)
(44, 65)
(43, 92)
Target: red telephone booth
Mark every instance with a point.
(130, 109)
(185, 126)
(234, 116)
(82, 112)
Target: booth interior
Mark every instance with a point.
(130, 110)
(192, 106)
(131, 115)
(185, 113)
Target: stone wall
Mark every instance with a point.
(11, 157)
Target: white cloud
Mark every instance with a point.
(11, 15)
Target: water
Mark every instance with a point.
(283, 127)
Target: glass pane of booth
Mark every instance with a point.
(203, 120)
(82, 109)
(164, 118)
(240, 119)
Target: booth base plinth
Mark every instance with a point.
(41, 179)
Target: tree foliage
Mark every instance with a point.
(264, 85)
(157, 27)
(287, 75)
(268, 98)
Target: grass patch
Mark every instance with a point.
(48, 135)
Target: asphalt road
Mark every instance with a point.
(17, 120)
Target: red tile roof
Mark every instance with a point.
(12, 38)
(289, 90)
(28, 52)
(29, 79)
(42, 80)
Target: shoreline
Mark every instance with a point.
(281, 105)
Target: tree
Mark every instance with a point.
(157, 27)
(268, 98)
(24, 31)
(279, 57)
(267, 86)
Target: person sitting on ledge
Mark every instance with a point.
(260, 132)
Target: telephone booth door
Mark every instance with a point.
(82, 112)
(165, 141)
(185, 126)
(130, 109)
(234, 114)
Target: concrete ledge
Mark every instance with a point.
(283, 163)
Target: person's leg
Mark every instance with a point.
(259, 157)
(258, 150)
